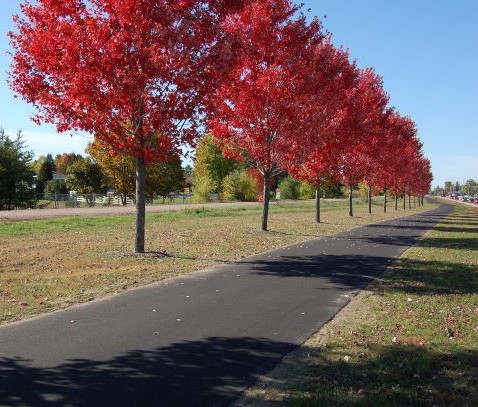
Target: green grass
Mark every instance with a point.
(60, 225)
(413, 340)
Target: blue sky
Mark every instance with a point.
(426, 51)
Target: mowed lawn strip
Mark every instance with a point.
(410, 339)
(50, 264)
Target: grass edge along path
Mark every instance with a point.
(410, 338)
(54, 263)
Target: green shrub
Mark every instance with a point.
(307, 191)
(203, 189)
(333, 191)
(239, 186)
(289, 188)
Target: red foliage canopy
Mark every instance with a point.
(131, 72)
(361, 127)
(258, 110)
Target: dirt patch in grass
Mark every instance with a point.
(410, 339)
(50, 264)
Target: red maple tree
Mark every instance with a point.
(315, 160)
(360, 129)
(258, 111)
(133, 73)
(407, 146)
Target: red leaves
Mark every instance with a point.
(258, 107)
(122, 71)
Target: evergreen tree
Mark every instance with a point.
(16, 175)
(45, 173)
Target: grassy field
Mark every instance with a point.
(50, 264)
(410, 339)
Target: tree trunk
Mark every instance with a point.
(140, 204)
(265, 200)
(404, 201)
(369, 199)
(385, 200)
(409, 202)
(396, 201)
(317, 204)
(351, 209)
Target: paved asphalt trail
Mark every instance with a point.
(197, 340)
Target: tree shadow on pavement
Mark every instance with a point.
(348, 271)
(209, 372)
(356, 272)
(467, 242)
(442, 228)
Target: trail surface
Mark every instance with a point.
(197, 340)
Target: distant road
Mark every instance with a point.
(447, 199)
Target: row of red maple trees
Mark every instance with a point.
(146, 77)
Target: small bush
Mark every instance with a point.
(289, 188)
(307, 191)
(239, 186)
(203, 189)
(333, 191)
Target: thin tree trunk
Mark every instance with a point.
(396, 202)
(317, 203)
(404, 201)
(385, 200)
(414, 201)
(265, 200)
(351, 210)
(140, 205)
(369, 199)
(409, 202)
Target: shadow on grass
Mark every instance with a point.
(394, 375)
(416, 277)
(189, 373)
